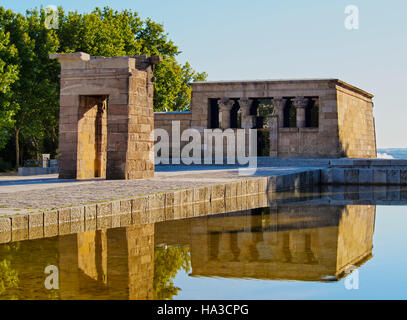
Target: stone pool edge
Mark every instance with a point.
(147, 208)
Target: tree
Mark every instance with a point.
(35, 94)
(167, 262)
(9, 276)
(172, 91)
(112, 33)
(31, 102)
(8, 75)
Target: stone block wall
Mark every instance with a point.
(320, 142)
(165, 121)
(366, 175)
(140, 244)
(356, 125)
(117, 144)
(355, 235)
(339, 117)
(140, 139)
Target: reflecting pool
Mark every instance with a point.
(301, 246)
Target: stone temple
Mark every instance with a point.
(107, 120)
(321, 118)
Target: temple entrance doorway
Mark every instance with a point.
(92, 137)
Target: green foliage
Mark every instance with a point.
(167, 262)
(9, 278)
(29, 101)
(34, 96)
(111, 33)
(5, 166)
(8, 75)
(100, 33)
(172, 87)
(265, 108)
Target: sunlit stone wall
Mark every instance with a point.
(123, 88)
(344, 126)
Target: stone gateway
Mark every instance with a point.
(106, 117)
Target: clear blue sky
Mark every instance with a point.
(273, 39)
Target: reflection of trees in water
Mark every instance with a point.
(9, 277)
(22, 267)
(168, 260)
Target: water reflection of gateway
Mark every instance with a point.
(108, 264)
(291, 242)
(286, 241)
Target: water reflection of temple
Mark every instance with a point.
(292, 242)
(288, 241)
(114, 263)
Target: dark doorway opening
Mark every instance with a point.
(213, 114)
(312, 113)
(290, 114)
(263, 142)
(234, 123)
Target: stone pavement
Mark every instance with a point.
(25, 194)
(22, 194)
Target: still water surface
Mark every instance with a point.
(294, 250)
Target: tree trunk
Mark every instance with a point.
(17, 148)
(37, 148)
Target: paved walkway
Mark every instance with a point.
(47, 192)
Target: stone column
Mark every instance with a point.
(248, 121)
(248, 247)
(225, 107)
(92, 254)
(279, 104)
(281, 250)
(273, 127)
(140, 253)
(69, 281)
(225, 251)
(300, 103)
(298, 247)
